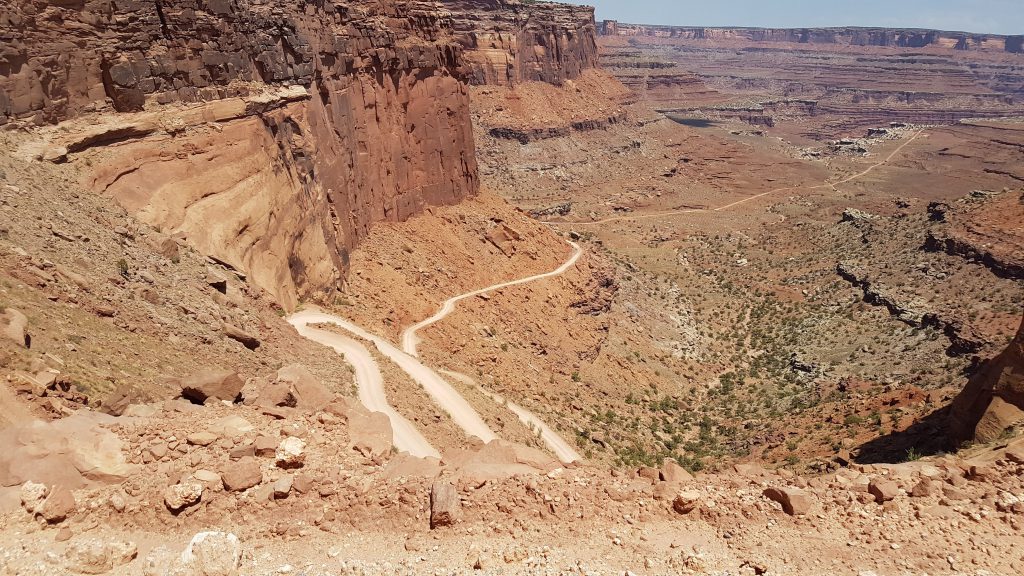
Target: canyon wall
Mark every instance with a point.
(509, 41)
(272, 135)
(848, 36)
(818, 84)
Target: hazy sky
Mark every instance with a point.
(993, 16)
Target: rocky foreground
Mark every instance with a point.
(280, 475)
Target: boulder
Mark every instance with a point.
(302, 484)
(70, 452)
(235, 333)
(232, 426)
(291, 453)
(265, 446)
(672, 472)
(405, 465)
(749, 470)
(925, 488)
(98, 556)
(213, 383)
(207, 477)
(54, 154)
(993, 399)
(997, 418)
(168, 248)
(883, 490)
(686, 501)
(275, 394)
(183, 495)
(371, 433)
(308, 392)
(444, 505)
(283, 487)
(124, 397)
(213, 554)
(203, 438)
(649, 473)
(242, 475)
(14, 327)
(58, 506)
(33, 495)
(794, 501)
(216, 280)
(241, 451)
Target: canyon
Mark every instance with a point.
(818, 84)
(489, 286)
(881, 37)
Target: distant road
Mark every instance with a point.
(409, 338)
(749, 198)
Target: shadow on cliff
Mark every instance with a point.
(694, 122)
(926, 437)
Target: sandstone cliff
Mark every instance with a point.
(509, 41)
(994, 398)
(271, 134)
(849, 36)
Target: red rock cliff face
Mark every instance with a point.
(508, 41)
(993, 400)
(270, 134)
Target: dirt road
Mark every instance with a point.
(754, 197)
(441, 392)
(409, 338)
(561, 449)
(368, 380)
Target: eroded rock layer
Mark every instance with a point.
(373, 125)
(993, 400)
(819, 83)
(509, 41)
(850, 36)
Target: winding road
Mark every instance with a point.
(561, 449)
(409, 338)
(369, 381)
(441, 392)
(749, 198)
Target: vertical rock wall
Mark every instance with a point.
(508, 41)
(282, 192)
(272, 134)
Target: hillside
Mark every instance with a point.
(485, 286)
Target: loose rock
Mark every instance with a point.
(201, 438)
(14, 327)
(242, 475)
(291, 453)
(98, 557)
(183, 495)
(686, 501)
(32, 496)
(213, 554)
(59, 505)
(883, 490)
(218, 384)
(444, 505)
(235, 333)
(794, 501)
